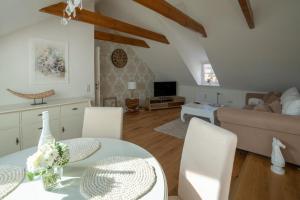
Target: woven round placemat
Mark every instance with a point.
(81, 148)
(117, 178)
(10, 178)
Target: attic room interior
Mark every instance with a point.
(150, 99)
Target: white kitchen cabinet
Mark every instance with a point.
(31, 133)
(9, 141)
(73, 109)
(20, 125)
(9, 120)
(72, 120)
(34, 116)
(71, 127)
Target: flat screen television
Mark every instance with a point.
(163, 89)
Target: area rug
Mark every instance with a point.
(175, 128)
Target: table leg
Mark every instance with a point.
(182, 116)
(212, 119)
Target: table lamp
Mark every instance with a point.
(131, 87)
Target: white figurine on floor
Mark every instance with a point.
(277, 159)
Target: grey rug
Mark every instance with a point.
(175, 128)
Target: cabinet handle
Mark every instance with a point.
(17, 141)
(40, 114)
(74, 108)
(63, 129)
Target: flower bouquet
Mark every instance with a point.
(48, 163)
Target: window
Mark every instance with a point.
(208, 76)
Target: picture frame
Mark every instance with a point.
(110, 102)
(48, 61)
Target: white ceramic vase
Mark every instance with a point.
(46, 136)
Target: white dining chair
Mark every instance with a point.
(206, 163)
(106, 122)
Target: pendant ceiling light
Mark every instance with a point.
(70, 10)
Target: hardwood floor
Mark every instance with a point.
(251, 176)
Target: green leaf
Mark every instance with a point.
(30, 176)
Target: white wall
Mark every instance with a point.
(14, 60)
(265, 58)
(229, 97)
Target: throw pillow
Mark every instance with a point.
(292, 108)
(275, 106)
(270, 98)
(255, 101)
(287, 100)
(262, 108)
(290, 92)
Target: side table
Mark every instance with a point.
(132, 105)
(201, 110)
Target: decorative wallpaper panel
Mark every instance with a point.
(114, 80)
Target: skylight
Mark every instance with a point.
(208, 76)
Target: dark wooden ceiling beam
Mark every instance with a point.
(248, 13)
(107, 22)
(164, 8)
(120, 39)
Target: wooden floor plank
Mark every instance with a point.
(251, 176)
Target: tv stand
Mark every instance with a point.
(156, 103)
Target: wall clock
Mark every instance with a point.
(119, 58)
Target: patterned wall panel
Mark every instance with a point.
(114, 80)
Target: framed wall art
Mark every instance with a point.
(48, 62)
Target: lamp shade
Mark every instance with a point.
(131, 85)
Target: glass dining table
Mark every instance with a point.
(73, 172)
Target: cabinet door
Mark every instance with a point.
(35, 116)
(9, 142)
(31, 133)
(9, 121)
(73, 109)
(71, 127)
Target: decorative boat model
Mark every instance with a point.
(36, 96)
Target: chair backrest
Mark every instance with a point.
(207, 162)
(104, 122)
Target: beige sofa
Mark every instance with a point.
(255, 130)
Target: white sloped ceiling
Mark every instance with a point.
(264, 58)
(18, 14)
(165, 61)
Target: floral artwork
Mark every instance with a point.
(49, 62)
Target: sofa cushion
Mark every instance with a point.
(287, 101)
(264, 120)
(262, 108)
(255, 101)
(270, 97)
(275, 106)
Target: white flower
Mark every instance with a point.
(48, 156)
(34, 161)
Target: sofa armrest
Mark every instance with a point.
(263, 120)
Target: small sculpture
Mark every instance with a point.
(277, 159)
(41, 96)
